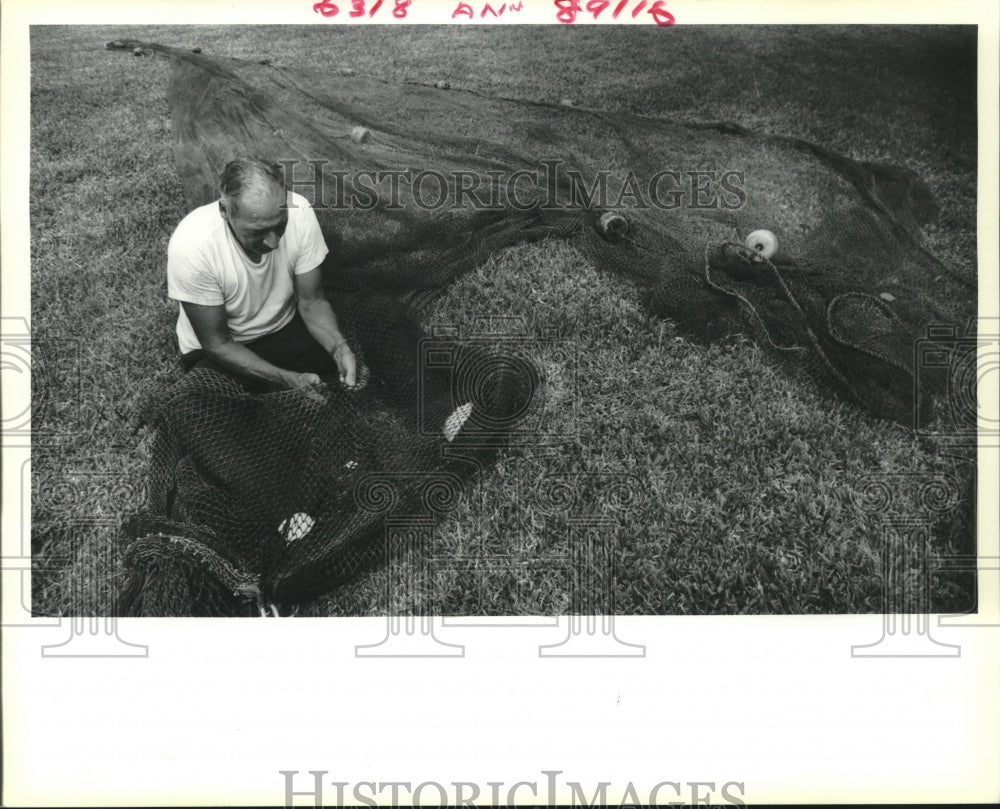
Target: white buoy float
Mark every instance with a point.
(612, 226)
(762, 243)
(296, 526)
(441, 84)
(360, 135)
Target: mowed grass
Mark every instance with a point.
(746, 479)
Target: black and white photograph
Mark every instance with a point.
(634, 339)
(525, 326)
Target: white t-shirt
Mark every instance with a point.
(206, 265)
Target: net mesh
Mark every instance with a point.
(269, 499)
(664, 204)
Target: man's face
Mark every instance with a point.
(258, 219)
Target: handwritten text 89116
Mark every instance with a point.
(567, 10)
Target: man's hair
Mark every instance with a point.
(248, 172)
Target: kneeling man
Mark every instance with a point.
(246, 272)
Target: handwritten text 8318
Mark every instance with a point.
(330, 9)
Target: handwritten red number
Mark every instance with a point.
(326, 8)
(659, 14)
(400, 10)
(568, 10)
(595, 7)
(357, 8)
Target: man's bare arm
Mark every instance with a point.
(322, 323)
(210, 327)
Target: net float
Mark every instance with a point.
(613, 227)
(360, 134)
(296, 526)
(762, 243)
(442, 85)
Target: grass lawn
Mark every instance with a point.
(747, 480)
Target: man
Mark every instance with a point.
(246, 272)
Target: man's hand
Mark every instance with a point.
(211, 329)
(346, 363)
(322, 323)
(307, 383)
(296, 381)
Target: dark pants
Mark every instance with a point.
(292, 348)
(383, 334)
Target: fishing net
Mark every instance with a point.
(259, 501)
(414, 185)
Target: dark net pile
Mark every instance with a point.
(845, 297)
(260, 500)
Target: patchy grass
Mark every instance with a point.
(747, 482)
